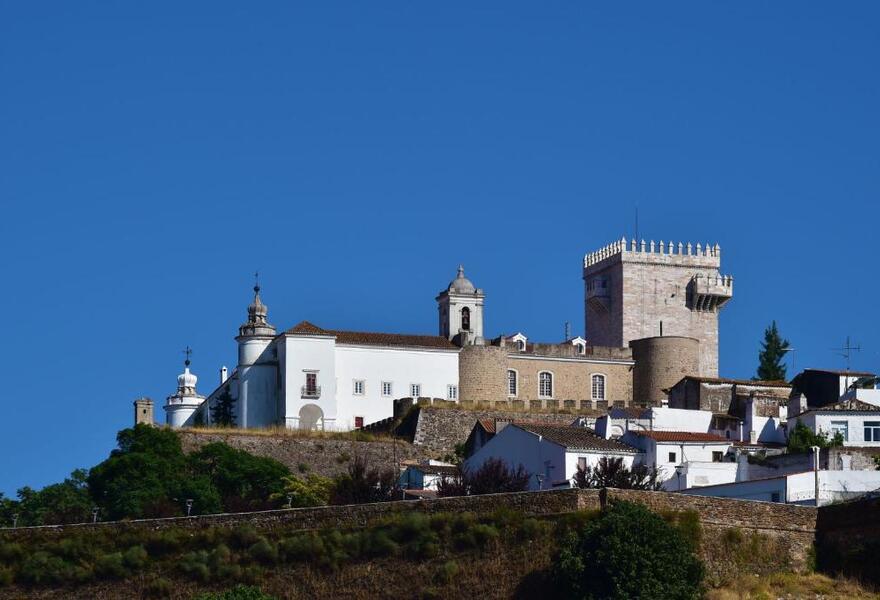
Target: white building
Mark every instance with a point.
(684, 459)
(858, 422)
(798, 488)
(425, 475)
(309, 377)
(550, 454)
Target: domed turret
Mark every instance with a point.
(181, 406)
(258, 321)
(461, 284)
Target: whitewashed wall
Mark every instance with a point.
(855, 420)
(309, 353)
(517, 447)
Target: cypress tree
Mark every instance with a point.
(773, 349)
(223, 411)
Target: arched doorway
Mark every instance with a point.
(311, 417)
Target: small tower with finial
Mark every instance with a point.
(182, 405)
(256, 371)
(460, 308)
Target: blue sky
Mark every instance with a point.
(153, 155)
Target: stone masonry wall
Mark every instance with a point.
(482, 374)
(795, 525)
(324, 456)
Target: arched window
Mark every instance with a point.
(581, 348)
(512, 382)
(545, 384)
(598, 387)
(521, 346)
(466, 318)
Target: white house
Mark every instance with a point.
(551, 454)
(858, 422)
(425, 475)
(797, 488)
(683, 458)
(309, 377)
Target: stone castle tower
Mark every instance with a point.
(638, 290)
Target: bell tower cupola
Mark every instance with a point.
(460, 309)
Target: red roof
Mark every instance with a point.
(682, 436)
(374, 339)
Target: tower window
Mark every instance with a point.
(512, 382)
(521, 346)
(598, 387)
(466, 318)
(545, 384)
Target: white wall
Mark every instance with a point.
(799, 488)
(518, 447)
(748, 490)
(697, 474)
(434, 370)
(680, 419)
(856, 424)
(593, 458)
(303, 354)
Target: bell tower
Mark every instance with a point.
(460, 310)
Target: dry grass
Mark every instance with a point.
(790, 586)
(355, 436)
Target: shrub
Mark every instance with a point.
(244, 536)
(11, 552)
(627, 552)
(111, 566)
(362, 484)
(158, 587)
(6, 576)
(239, 592)
(263, 551)
(612, 473)
(41, 567)
(195, 564)
(135, 558)
(492, 477)
(446, 572)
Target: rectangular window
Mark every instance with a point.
(511, 383)
(598, 388)
(359, 387)
(415, 390)
(872, 431)
(358, 422)
(717, 456)
(452, 392)
(582, 463)
(841, 427)
(386, 388)
(672, 457)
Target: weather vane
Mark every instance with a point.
(188, 351)
(256, 281)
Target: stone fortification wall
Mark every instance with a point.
(322, 455)
(795, 526)
(848, 539)
(482, 374)
(661, 362)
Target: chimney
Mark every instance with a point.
(753, 437)
(223, 375)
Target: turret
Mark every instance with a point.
(181, 406)
(256, 333)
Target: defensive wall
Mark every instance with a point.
(792, 527)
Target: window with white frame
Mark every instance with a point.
(872, 431)
(415, 390)
(512, 382)
(358, 387)
(387, 389)
(521, 345)
(582, 349)
(545, 384)
(452, 392)
(598, 387)
(841, 427)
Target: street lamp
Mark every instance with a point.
(289, 500)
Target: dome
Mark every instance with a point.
(461, 284)
(186, 381)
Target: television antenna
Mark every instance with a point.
(846, 352)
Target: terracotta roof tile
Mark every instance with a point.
(374, 339)
(681, 436)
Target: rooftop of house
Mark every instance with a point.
(838, 373)
(848, 405)
(682, 436)
(373, 339)
(724, 380)
(576, 438)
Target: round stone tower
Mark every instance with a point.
(661, 362)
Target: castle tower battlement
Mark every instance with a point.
(638, 289)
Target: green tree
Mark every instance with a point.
(243, 481)
(59, 503)
(770, 358)
(627, 552)
(802, 439)
(612, 473)
(148, 475)
(223, 410)
(492, 477)
(314, 490)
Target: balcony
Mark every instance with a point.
(312, 392)
(707, 293)
(598, 294)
